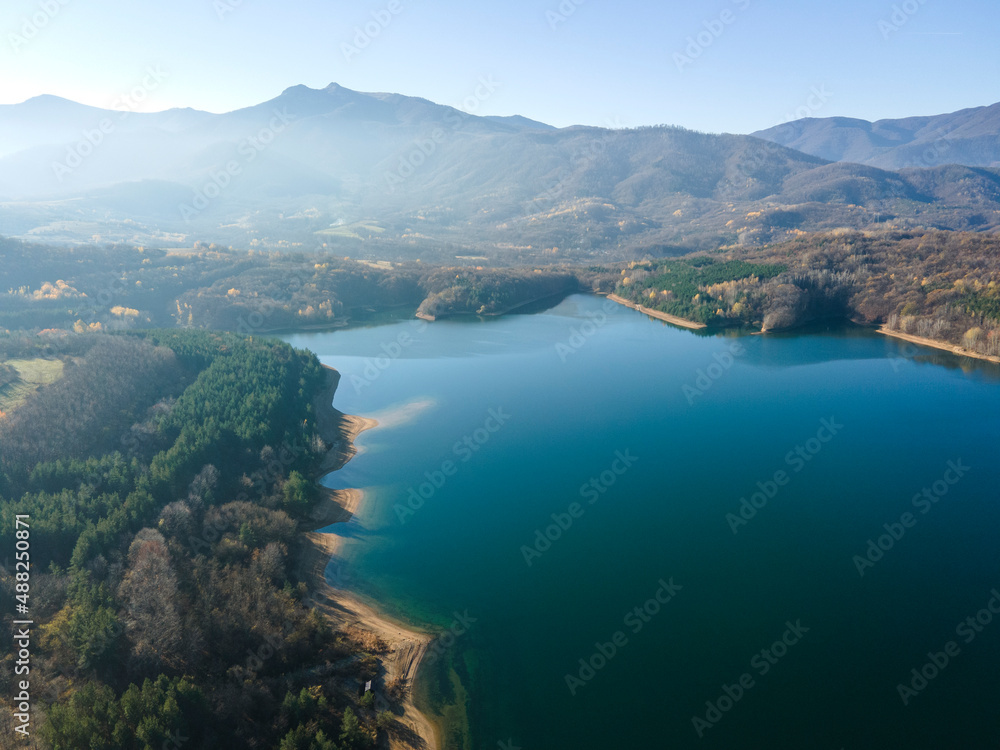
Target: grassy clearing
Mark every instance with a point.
(32, 373)
(358, 231)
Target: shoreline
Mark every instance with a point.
(404, 646)
(672, 319)
(941, 345)
(955, 349)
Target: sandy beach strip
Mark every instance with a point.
(942, 345)
(405, 647)
(672, 319)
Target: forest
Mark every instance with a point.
(119, 287)
(939, 285)
(936, 284)
(697, 289)
(165, 451)
(167, 475)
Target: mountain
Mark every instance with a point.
(54, 147)
(970, 137)
(383, 175)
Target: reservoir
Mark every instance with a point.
(634, 535)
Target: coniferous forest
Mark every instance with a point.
(166, 475)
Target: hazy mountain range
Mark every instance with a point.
(970, 137)
(385, 175)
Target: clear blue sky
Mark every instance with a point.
(605, 62)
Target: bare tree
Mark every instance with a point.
(149, 594)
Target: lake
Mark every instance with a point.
(633, 535)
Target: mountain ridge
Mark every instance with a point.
(969, 136)
(420, 179)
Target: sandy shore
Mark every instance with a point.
(943, 345)
(404, 647)
(672, 319)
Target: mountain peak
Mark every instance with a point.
(51, 100)
(332, 88)
(297, 89)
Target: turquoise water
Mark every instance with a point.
(642, 439)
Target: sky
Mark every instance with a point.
(711, 65)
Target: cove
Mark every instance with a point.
(658, 543)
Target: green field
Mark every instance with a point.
(32, 373)
(358, 231)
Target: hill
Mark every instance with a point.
(162, 481)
